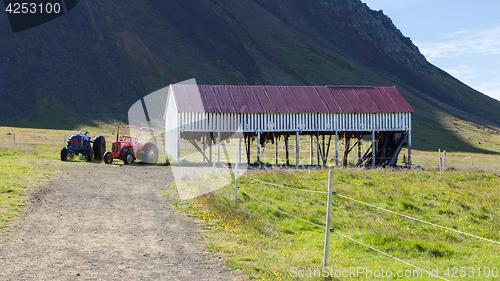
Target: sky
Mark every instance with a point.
(462, 37)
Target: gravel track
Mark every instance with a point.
(108, 222)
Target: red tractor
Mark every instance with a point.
(135, 143)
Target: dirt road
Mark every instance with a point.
(107, 222)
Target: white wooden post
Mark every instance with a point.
(258, 146)
(444, 158)
(236, 179)
(373, 149)
(328, 219)
(14, 138)
(64, 139)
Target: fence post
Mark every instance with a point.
(472, 161)
(14, 138)
(65, 139)
(236, 180)
(328, 219)
(440, 164)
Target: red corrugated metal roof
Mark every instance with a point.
(288, 99)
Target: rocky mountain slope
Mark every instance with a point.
(96, 61)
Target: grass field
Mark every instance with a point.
(268, 245)
(29, 158)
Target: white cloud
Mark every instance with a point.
(475, 79)
(491, 89)
(463, 73)
(463, 43)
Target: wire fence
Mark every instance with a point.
(346, 236)
(288, 187)
(419, 220)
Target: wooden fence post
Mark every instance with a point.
(236, 179)
(328, 219)
(440, 164)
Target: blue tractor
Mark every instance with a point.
(82, 144)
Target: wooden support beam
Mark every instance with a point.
(328, 147)
(247, 146)
(346, 149)
(352, 147)
(359, 151)
(367, 155)
(199, 149)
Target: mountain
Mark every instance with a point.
(96, 61)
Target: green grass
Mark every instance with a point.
(266, 244)
(34, 159)
(21, 170)
(29, 163)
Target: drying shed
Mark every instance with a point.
(212, 113)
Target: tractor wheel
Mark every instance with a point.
(90, 154)
(99, 147)
(108, 157)
(128, 158)
(64, 154)
(150, 154)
